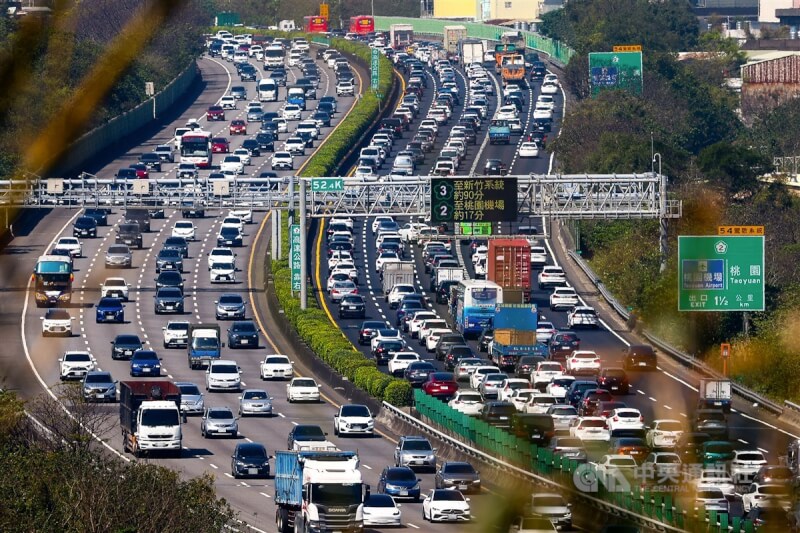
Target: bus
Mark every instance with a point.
(52, 280)
(475, 303)
(196, 148)
(362, 24)
(315, 24)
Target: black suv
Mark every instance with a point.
(444, 343)
(123, 346)
(639, 357)
(497, 413)
(129, 234)
(495, 167)
(352, 305)
(536, 428)
(562, 344)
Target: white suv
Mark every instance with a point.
(397, 293)
(353, 419)
(115, 288)
(345, 88)
(551, 276)
(176, 333)
(75, 365)
(223, 271)
(223, 374)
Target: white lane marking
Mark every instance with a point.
(227, 474)
(212, 465)
(683, 415)
(412, 525)
(762, 450)
(668, 407)
(264, 494)
(640, 391)
(367, 467)
(768, 425)
(652, 399)
(281, 415)
(743, 441)
(679, 380)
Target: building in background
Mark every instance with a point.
(769, 80)
(767, 9)
(457, 9)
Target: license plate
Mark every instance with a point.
(717, 403)
(98, 395)
(462, 487)
(642, 363)
(417, 462)
(503, 418)
(252, 471)
(403, 493)
(146, 369)
(245, 341)
(170, 307)
(109, 315)
(128, 352)
(452, 517)
(614, 388)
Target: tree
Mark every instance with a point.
(733, 167)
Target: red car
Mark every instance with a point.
(220, 145)
(238, 127)
(215, 112)
(441, 385)
(141, 171)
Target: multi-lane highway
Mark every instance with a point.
(30, 362)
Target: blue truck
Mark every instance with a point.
(319, 492)
(514, 334)
(499, 132)
(203, 344)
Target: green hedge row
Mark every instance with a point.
(312, 324)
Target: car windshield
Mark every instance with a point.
(593, 423)
(401, 474)
(118, 249)
(569, 443)
(190, 390)
(754, 456)
(220, 414)
(448, 495)
(169, 292)
(622, 461)
(253, 451)
(548, 501)
(417, 444)
(379, 500)
(244, 327)
(722, 447)
(564, 411)
(110, 303)
(775, 490)
(230, 299)
(145, 355)
(312, 433)
(77, 357)
(128, 340)
(710, 494)
(304, 383)
(458, 468)
(225, 369)
(277, 360)
(160, 417)
(255, 395)
(355, 410)
(99, 378)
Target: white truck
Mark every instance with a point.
(715, 394)
(319, 491)
(441, 274)
(401, 36)
(397, 273)
(203, 344)
(472, 51)
(453, 34)
(150, 417)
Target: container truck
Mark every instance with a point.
(715, 394)
(453, 34)
(150, 417)
(401, 36)
(441, 274)
(397, 273)
(509, 265)
(514, 334)
(319, 492)
(203, 344)
(471, 51)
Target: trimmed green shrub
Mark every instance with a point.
(398, 392)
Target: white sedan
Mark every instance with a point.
(664, 433)
(625, 418)
(282, 161)
(277, 367)
(715, 478)
(244, 155)
(542, 112)
(245, 215)
(539, 403)
(549, 88)
(467, 401)
(292, 112)
(387, 334)
(185, 229)
(381, 510)
(529, 149)
(71, 244)
(449, 505)
(302, 389)
(583, 362)
(507, 112)
(480, 373)
(232, 163)
(559, 386)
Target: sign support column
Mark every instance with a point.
(303, 247)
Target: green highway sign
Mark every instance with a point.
(376, 68)
(720, 273)
(476, 228)
(294, 255)
(327, 184)
(615, 70)
(474, 200)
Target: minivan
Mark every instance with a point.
(267, 90)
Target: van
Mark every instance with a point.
(535, 428)
(267, 90)
(403, 164)
(240, 56)
(294, 57)
(177, 136)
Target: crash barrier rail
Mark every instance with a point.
(555, 49)
(685, 359)
(118, 128)
(653, 509)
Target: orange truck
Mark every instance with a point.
(512, 68)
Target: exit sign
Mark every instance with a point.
(327, 184)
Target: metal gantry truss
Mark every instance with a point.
(565, 196)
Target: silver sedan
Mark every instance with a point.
(255, 402)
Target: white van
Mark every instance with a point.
(227, 51)
(273, 56)
(267, 90)
(294, 57)
(177, 136)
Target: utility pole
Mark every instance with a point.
(662, 220)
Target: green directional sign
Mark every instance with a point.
(615, 70)
(720, 273)
(376, 68)
(474, 200)
(327, 184)
(294, 255)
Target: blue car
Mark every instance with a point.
(110, 310)
(145, 363)
(399, 482)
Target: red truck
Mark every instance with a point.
(509, 265)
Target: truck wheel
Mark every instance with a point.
(282, 521)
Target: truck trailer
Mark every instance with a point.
(319, 492)
(453, 34)
(401, 36)
(509, 265)
(150, 417)
(397, 273)
(514, 334)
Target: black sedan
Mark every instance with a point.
(99, 215)
(250, 459)
(266, 141)
(177, 243)
(243, 334)
(85, 226)
(458, 475)
(229, 236)
(368, 330)
(417, 373)
(252, 146)
(169, 279)
(352, 305)
(123, 346)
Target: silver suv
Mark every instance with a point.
(415, 452)
(219, 421)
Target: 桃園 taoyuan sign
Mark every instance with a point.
(720, 273)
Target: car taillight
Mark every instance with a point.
(641, 419)
(574, 360)
(602, 379)
(616, 419)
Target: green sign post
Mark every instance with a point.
(327, 184)
(375, 71)
(615, 70)
(720, 273)
(294, 255)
